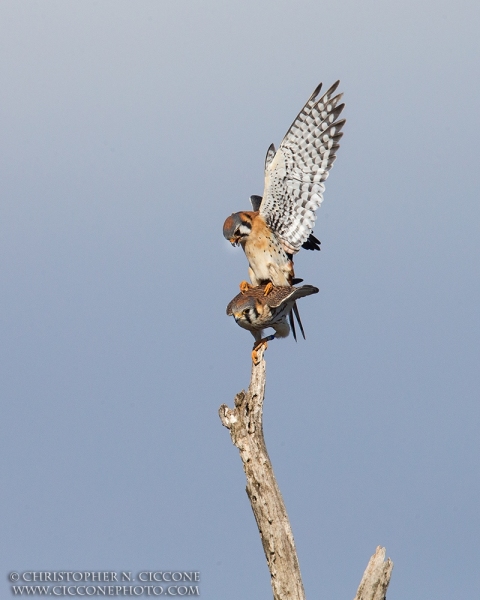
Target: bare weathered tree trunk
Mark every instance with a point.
(244, 422)
(245, 425)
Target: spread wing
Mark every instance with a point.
(279, 295)
(294, 175)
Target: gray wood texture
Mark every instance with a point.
(376, 578)
(244, 422)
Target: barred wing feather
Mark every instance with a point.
(294, 175)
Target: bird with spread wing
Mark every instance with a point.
(282, 220)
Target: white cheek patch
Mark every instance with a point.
(244, 230)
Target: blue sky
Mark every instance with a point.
(130, 130)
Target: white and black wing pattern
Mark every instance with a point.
(294, 175)
(270, 156)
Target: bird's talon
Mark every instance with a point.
(268, 288)
(263, 342)
(255, 358)
(245, 286)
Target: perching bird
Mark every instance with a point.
(282, 221)
(254, 310)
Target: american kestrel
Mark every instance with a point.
(282, 221)
(254, 310)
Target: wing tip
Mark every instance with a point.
(316, 91)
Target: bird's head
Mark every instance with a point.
(237, 227)
(246, 310)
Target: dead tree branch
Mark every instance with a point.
(245, 425)
(376, 578)
(244, 422)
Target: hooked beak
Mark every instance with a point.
(234, 241)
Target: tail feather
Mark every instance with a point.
(292, 324)
(297, 314)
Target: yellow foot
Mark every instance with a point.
(245, 286)
(255, 358)
(268, 288)
(262, 343)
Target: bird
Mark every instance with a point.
(282, 220)
(255, 311)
